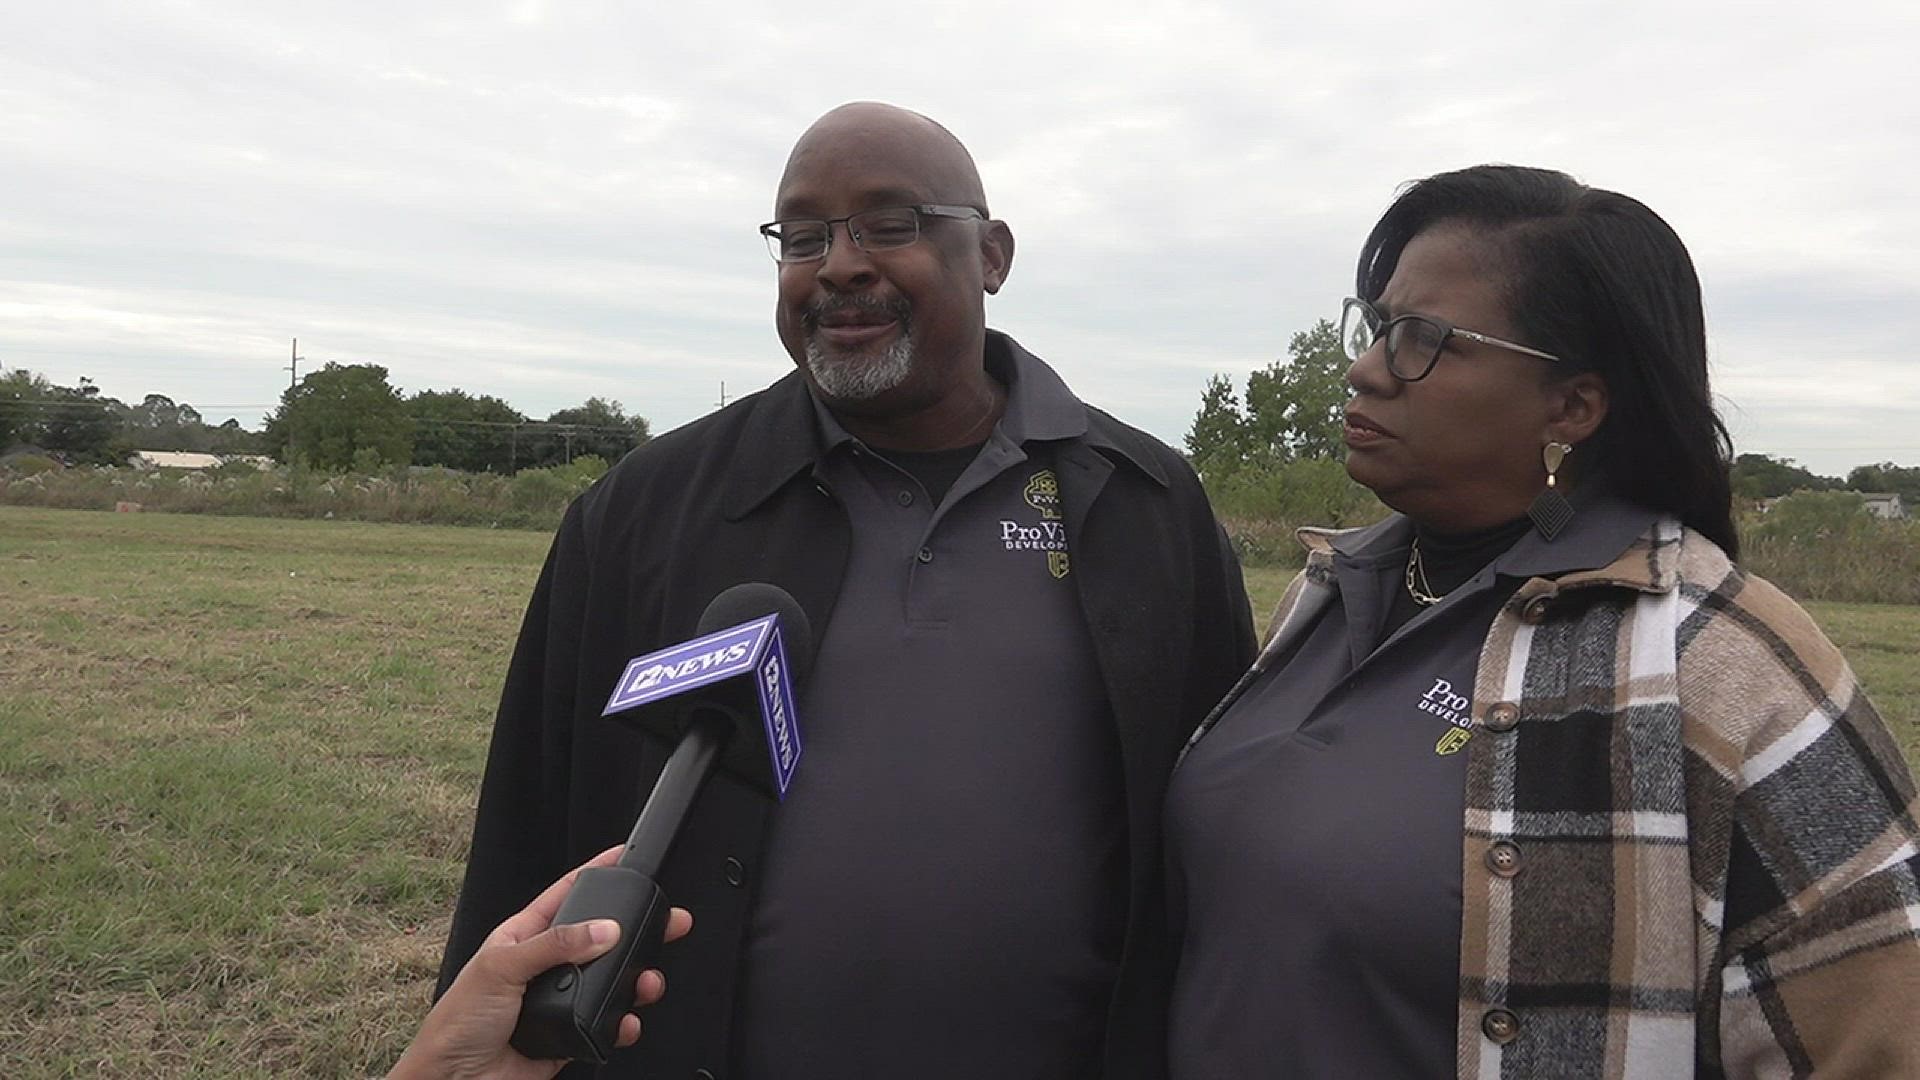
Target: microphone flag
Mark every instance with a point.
(754, 650)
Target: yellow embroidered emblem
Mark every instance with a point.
(1452, 741)
(1057, 564)
(1043, 494)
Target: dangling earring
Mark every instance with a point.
(1550, 510)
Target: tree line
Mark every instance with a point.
(340, 417)
(1290, 412)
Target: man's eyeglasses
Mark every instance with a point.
(799, 240)
(1413, 341)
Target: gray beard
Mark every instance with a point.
(861, 375)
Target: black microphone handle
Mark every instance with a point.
(680, 781)
(574, 1010)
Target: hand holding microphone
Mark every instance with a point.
(465, 1036)
(727, 699)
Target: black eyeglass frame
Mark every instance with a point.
(771, 230)
(1383, 328)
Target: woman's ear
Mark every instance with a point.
(1576, 408)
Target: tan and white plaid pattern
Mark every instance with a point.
(1690, 842)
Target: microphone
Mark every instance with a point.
(726, 697)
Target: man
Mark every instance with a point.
(1021, 607)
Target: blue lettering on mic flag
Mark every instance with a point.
(775, 683)
(678, 669)
(756, 650)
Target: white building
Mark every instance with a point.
(1885, 505)
(172, 459)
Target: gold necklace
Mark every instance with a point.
(1422, 592)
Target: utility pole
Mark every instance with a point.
(293, 383)
(723, 395)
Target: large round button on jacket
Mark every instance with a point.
(1503, 858)
(1535, 610)
(1500, 1025)
(1502, 716)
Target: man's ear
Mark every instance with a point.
(1578, 407)
(996, 254)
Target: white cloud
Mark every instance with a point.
(547, 201)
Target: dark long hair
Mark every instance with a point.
(1601, 281)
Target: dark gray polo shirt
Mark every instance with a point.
(1313, 835)
(943, 891)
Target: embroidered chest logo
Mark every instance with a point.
(1049, 534)
(1441, 701)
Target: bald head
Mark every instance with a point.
(889, 140)
(890, 326)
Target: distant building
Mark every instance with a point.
(172, 459)
(1885, 505)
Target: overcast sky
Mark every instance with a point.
(546, 201)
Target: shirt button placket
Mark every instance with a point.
(1502, 717)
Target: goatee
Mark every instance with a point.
(857, 375)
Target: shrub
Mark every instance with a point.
(535, 489)
(1261, 506)
(30, 464)
(535, 499)
(1809, 517)
(1824, 545)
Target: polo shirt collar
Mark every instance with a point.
(1609, 541)
(1041, 407)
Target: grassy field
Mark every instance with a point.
(237, 764)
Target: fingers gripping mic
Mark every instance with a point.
(726, 699)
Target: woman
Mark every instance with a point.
(1530, 779)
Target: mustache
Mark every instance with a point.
(895, 308)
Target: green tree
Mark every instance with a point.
(228, 437)
(20, 392)
(1294, 406)
(160, 423)
(1292, 410)
(1762, 476)
(1217, 442)
(338, 411)
(1886, 476)
(463, 431)
(597, 426)
(78, 424)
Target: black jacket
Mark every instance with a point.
(733, 497)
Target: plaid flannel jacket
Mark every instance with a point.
(1690, 842)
